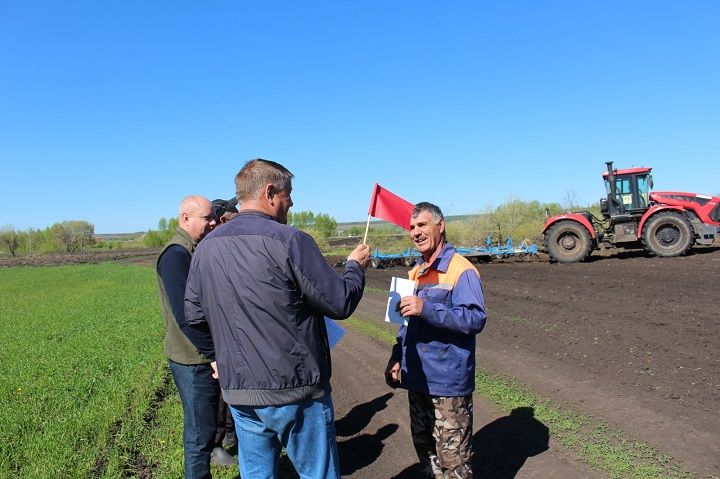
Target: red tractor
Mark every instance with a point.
(663, 223)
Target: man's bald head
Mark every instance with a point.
(195, 216)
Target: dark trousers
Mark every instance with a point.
(199, 394)
(225, 425)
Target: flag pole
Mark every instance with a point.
(367, 227)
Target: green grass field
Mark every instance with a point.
(81, 361)
(82, 375)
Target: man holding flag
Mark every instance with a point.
(434, 357)
(263, 288)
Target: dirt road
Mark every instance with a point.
(630, 341)
(374, 435)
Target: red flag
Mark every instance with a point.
(388, 206)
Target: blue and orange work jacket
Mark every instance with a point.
(436, 350)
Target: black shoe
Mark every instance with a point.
(221, 457)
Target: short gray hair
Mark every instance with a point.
(256, 174)
(430, 208)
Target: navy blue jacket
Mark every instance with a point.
(264, 287)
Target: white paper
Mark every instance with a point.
(399, 288)
(335, 332)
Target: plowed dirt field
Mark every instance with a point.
(630, 340)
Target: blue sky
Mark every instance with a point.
(111, 112)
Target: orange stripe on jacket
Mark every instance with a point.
(433, 278)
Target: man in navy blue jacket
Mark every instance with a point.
(263, 287)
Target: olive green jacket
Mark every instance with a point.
(178, 347)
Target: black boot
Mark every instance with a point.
(221, 457)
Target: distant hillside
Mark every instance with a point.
(340, 226)
(375, 222)
(119, 236)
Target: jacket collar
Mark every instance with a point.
(191, 243)
(442, 262)
(259, 213)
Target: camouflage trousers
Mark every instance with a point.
(441, 430)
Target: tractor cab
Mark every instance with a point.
(628, 191)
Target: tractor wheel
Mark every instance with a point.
(376, 263)
(568, 242)
(667, 234)
(408, 261)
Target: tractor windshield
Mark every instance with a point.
(632, 190)
(623, 190)
(644, 183)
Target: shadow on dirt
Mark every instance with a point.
(362, 450)
(640, 253)
(359, 417)
(502, 447)
(705, 250)
(356, 452)
(618, 254)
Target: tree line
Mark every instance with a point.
(320, 226)
(67, 236)
(515, 218)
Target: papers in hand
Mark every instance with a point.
(399, 287)
(335, 332)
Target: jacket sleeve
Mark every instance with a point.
(332, 294)
(466, 314)
(196, 327)
(173, 269)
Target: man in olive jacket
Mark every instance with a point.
(199, 391)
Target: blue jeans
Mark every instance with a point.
(306, 430)
(199, 394)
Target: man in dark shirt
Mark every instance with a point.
(224, 210)
(199, 391)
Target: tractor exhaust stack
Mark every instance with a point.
(611, 179)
